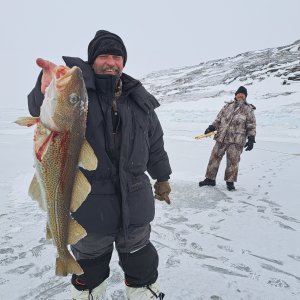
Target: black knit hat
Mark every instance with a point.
(242, 90)
(106, 42)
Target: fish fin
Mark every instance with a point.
(67, 266)
(27, 121)
(35, 192)
(87, 158)
(48, 232)
(76, 232)
(80, 191)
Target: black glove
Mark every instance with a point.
(249, 144)
(209, 129)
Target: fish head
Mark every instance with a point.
(66, 101)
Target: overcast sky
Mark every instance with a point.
(158, 34)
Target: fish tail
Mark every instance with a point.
(67, 266)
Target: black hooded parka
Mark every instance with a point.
(121, 194)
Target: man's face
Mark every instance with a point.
(108, 64)
(240, 97)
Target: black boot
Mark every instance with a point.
(230, 186)
(207, 181)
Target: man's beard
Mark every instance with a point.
(240, 101)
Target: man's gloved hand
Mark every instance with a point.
(162, 190)
(209, 129)
(48, 67)
(250, 143)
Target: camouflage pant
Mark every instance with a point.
(233, 154)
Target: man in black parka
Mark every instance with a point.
(127, 138)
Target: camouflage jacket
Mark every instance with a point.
(235, 122)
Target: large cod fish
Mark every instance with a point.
(59, 148)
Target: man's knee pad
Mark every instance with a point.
(95, 272)
(140, 267)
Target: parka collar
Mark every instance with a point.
(106, 84)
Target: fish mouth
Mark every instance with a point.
(63, 75)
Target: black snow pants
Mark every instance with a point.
(138, 258)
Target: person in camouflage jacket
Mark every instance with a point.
(234, 124)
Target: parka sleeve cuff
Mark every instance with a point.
(35, 98)
(161, 171)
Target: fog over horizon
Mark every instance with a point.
(158, 34)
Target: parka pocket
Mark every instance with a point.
(136, 183)
(140, 200)
(139, 148)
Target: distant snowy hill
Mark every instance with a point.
(214, 78)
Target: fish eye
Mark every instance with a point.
(73, 98)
